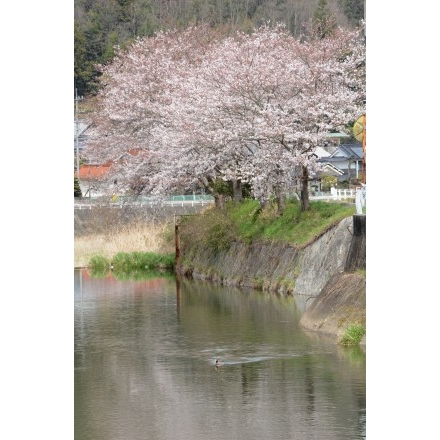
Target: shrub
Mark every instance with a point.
(213, 230)
(76, 188)
(99, 263)
(122, 261)
(127, 262)
(353, 334)
(219, 236)
(328, 181)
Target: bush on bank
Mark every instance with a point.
(353, 334)
(99, 263)
(133, 261)
(124, 261)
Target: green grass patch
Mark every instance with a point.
(248, 222)
(353, 334)
(299, 228)
(128, 262)
(98, 264)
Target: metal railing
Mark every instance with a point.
(140, 201)
(185, 200)
(336, 194)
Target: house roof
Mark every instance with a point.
(98, 171)
(320, 152)
(93, 171)
(348, 151)
(331, 169)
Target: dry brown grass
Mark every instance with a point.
(138, 237)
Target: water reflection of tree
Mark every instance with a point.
(309, 380)
(249, 375)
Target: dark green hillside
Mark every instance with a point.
(100, 25)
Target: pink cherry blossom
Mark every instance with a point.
(247, 108)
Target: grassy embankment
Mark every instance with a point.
(213, 228)
(247, 222)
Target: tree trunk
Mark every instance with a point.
(219, 200)
(305, 189)
(238, 192)
(281, 203)
(279, 196)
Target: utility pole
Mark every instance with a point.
(364, 149)
(77, 98)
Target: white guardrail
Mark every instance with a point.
(336, 194)
(121, 201)
(181, 201)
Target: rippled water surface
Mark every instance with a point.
(145, 369)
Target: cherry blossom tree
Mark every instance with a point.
(133, 106)
(259, 104)
(245, 108)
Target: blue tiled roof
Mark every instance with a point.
(350, 151)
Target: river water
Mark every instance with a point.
(145, 369)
